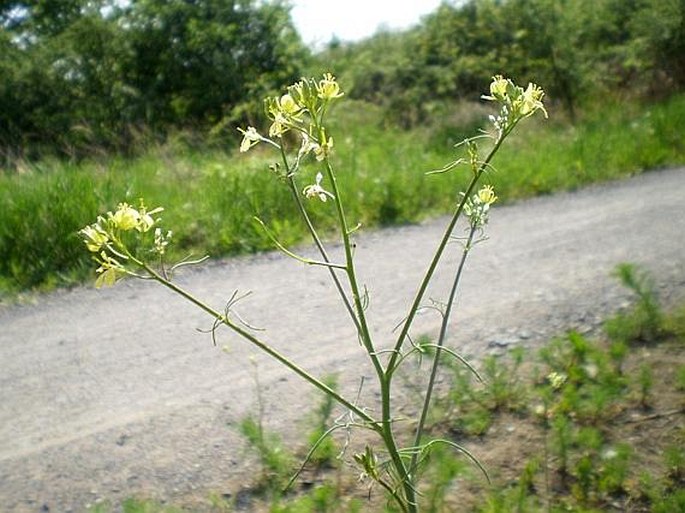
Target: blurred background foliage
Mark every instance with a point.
(84, 76)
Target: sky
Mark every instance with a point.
(350, 20)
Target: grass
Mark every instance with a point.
(211, 196)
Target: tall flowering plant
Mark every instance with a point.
(130, 242)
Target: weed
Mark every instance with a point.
(645, 322)
(674, 457)
(587, 383)
(680, 378)
(277, 464)
(325, 451)
(470, 403)
(441, 470)
(645, 380)
(322, 499)
(671, 503)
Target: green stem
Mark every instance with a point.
(441, 341)
(438, 253)
(317, 241)
(261, 345)
(365, 335)
(290, 180)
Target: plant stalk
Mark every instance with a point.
(263, 346)
(441, 341)
(438, 253)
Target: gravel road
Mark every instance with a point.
(110, 393)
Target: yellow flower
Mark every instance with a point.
(531, 100)
(487, 195)
(556, 380)
(250, 138)
(477, 207)
(288, 105)
(498, 87)
(146, 220)
(301, 91)
(94, 237)
(110, 270)
(126, 217)
(328, 88)
(279, 126)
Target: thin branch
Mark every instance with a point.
(293, 255)
(654, 416)
(441, 342)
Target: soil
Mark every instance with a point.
(112, 393)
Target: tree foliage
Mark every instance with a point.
(88, 72)
(82, 74)
(577, 48)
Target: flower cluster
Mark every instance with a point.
(477, 207)
(104, 238)
(517, 103)
(300, 110)
(556, 380)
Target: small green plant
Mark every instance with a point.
(583, 378)
(324, 450)
(275, 460)
(645, 321)
(322, 499)
(645, 380)
(130, 242)
(680, 378)
(474, 398)
(674, 457)
(670, 503)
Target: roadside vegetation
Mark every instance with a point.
(583, 424)
(108, 101)
(215, 193)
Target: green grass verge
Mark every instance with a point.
(210, 197)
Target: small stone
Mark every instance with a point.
(502, 342)
(584, 329)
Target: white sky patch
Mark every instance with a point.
(318, 21)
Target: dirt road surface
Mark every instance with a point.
(112, 393)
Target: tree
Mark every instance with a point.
(82, 72)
